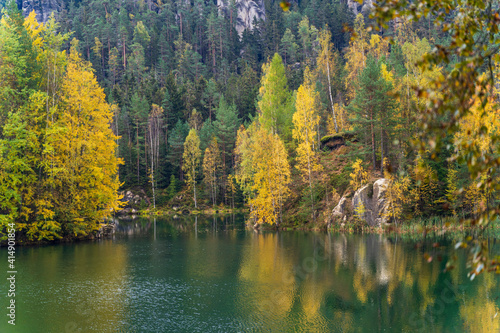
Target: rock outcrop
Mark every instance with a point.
(247, 12)
(371, 203)
(357, 8)
(335, 141)
(42, 8)
(340, 210)
(379, 200)
(133, 202)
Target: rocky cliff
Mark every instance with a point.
(370, 200)
(357, 8)
(248, 11)
(42, 8)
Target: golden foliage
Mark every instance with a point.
(84, 162)
(396, 193)
(343, 123)
(359, 176)
(271, 177)
(191, 160)
(355, 55)
(305, 121)
(478, 127)
(422, 195)
(263, 172)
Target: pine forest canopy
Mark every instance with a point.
(172, 93)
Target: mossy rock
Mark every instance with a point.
(335, 141)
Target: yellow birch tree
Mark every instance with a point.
(325, 66)
(191, 158)
(270, 178)
(85, 165)
(305, 121)
(211, 168)
(355, 55)
(359, 176)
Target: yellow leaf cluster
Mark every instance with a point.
(263, 172)
(422, 195)
(396, 194)
(85, 164)
(355, 55)
(191, 160)
(478, 126)
(271, 178)
(359, 176)
(305, 121)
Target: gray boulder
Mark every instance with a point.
(340, 209)
(361, 201)
(380, 200)
(134, 200)
(357, 8)
(374, 202)
(247, 12)
(42, 8)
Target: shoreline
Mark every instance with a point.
(411, 229)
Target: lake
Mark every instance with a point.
(215, 275)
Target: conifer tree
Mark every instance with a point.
(288, 47)
(176, 141)
(372, 108)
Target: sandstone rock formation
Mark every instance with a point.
(374, 202)
(357, 8)
(248, 11)
(42, 8)
(340, 210)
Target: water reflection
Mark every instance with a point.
(206, 274)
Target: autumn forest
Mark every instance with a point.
(282, 118)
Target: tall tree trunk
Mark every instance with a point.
(330, 93)
(124, 55)
(310, 181)
(194, 187)
(310, 189)
(214, 191)
(153, 183)
(180, 21)
(138, 151)
(373, 141)
(213, 58)
(381, 148)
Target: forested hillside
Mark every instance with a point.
(58, 167)
(190, 61)
(231, 111)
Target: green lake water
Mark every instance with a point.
(209, 275)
